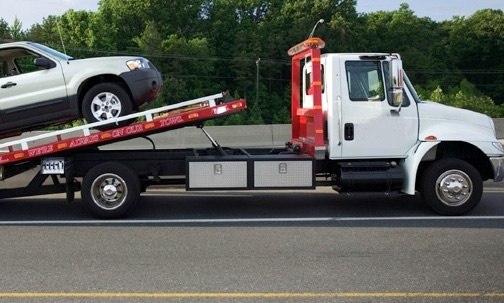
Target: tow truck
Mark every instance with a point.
(357, 126)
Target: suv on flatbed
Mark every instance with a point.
(40, 86)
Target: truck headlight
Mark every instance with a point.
(492, 125)
(138, 64)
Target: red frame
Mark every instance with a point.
(307, 123)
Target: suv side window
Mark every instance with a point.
(365, 82)
(3, 68)
(17, 61)
(25, 63)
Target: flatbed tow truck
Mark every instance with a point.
(357, 125)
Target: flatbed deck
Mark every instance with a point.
(162, 119)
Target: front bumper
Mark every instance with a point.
(144, 84)
(498, 166)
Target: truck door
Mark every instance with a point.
(372, 127)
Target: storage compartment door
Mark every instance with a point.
(217, 175)
(283, 174)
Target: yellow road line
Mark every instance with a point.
(257, 295)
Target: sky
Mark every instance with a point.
(30, 12)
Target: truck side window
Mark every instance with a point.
(365, 82)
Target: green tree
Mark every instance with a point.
(476, 45)
(150, 41)
(187, 70)
(16, 30)
(466, 96)
(5, 33)
(126, 19)
(418, 40)
(81, 31)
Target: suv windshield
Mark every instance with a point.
(50, 51)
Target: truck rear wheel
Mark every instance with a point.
(451, 187)
(110, 190)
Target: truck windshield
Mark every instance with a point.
(54, 53)
(411, 88)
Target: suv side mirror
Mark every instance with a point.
(396, 71)
(44, 63)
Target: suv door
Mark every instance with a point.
(29, 94)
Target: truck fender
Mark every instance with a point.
(422, 150)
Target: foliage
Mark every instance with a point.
(476, 45)
(206, 46)
(466, 96)
(4, 30)
(16, 30)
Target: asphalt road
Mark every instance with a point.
(252, 247)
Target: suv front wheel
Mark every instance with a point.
(106, 101)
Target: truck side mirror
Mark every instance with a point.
(396, 71)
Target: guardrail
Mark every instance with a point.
(231, 136)
(234, 136)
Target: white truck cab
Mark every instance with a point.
(373, 118)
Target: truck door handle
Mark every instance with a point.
(8, 84)
(349, 131)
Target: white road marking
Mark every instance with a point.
(246, 220)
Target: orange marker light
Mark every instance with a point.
(307, 44)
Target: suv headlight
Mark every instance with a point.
(138, 64)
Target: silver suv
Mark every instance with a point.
(40, 86)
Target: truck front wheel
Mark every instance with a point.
(110, 190)
(451, 186)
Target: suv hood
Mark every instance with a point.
(98, 59)
(97, 66)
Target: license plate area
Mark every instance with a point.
(53, 166)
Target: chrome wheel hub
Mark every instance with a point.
(454, 188)
(109, 191)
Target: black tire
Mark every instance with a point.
(451, 187)
(106, 101)
(110, 190)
